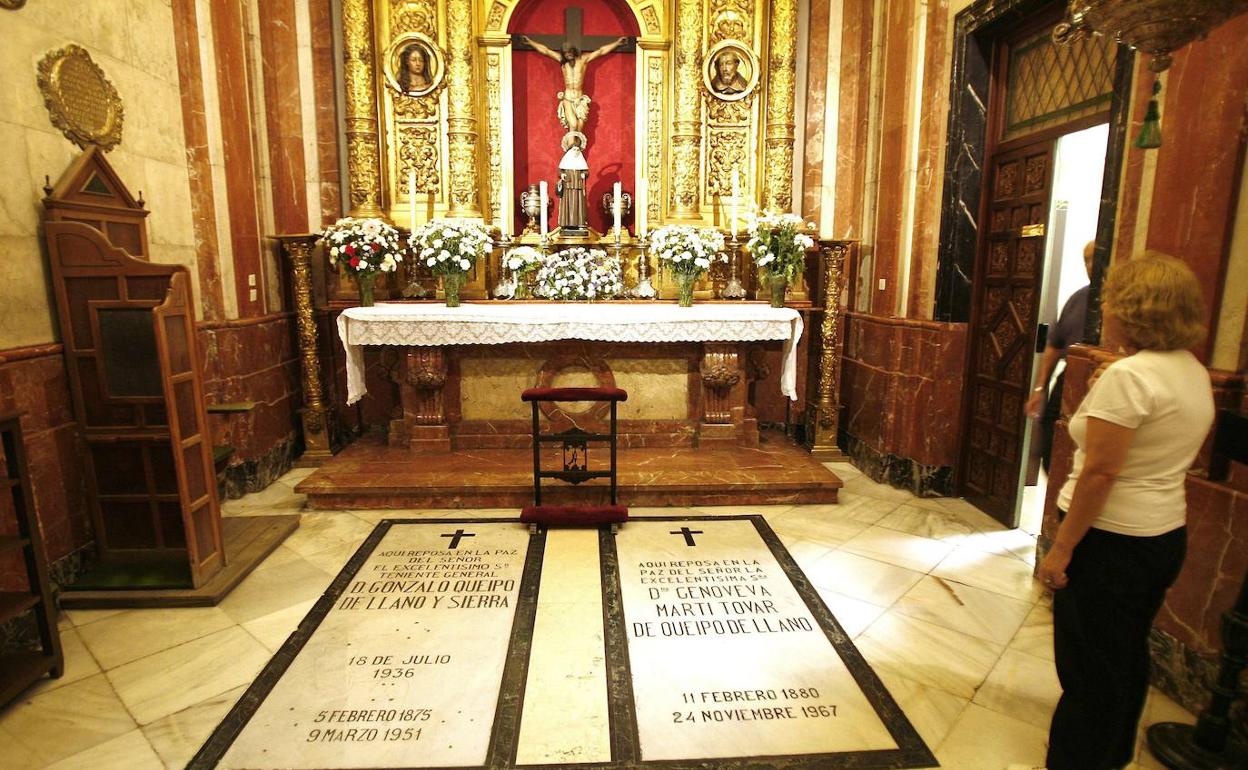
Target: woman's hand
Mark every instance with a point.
(1052, 570)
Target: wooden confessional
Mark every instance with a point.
(128, 329)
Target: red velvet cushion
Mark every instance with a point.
(574, 394)
(574, 515)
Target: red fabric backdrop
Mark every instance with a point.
(610, 83)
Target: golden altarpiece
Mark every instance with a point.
(444, 147)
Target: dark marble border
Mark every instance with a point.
(897, 471)
(506, 731)
(912, 751)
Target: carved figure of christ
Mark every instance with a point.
(573, 101)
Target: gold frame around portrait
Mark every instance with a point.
(746, 55)
(437, 63)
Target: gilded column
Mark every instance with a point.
(687, 128)
(823, 405)
(781, 76)
(313, 415)
(461, 115)
(360, 81)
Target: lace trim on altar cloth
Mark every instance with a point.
(436, 326)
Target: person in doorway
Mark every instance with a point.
(1066, 332)
(1123, 509)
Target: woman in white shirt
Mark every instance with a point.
(1122, 537)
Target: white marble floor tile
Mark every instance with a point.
(278, 497)
(929, 654)
(135, 634)
(865, 486)
(983, 739)
(869, 510)
(79, 663)
(295, 475)
(844, 471)
(854, 615)
(932, 711)
(129, 751)
(273, 629)
(201, 669)
(898, 548)
(41, 729)
(861, 578)
(177, 737)
(1008, 542)
(803, 524)
(925, 522)
(740, 510)
(1000, 574)
(1021, 686)
(82, 617)
(960, 607)
(284, 579)
(1035, 636)
(321, 531)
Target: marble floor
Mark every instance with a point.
(937, 596)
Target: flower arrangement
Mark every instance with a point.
(522, 261)
(449, 248)
(687, 252)
(579, 273)
(778, 243)
(364, 247)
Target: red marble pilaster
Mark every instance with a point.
(238, 149)
(852, 117)
(1200, 162)
(814, 148)
(323, 81)
(195, 129)
(279, 45)
(1133, 163)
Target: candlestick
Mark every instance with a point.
(411, 201)
(736, 195)
(733, 289)
(644, 289)
(617, 206)
(541, 186)
(643, 203)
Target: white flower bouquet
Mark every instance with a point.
(687, 252)
(364, 247)
(522, 261)
(449, 248)
(579, 273)
(778, 244)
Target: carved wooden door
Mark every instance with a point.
(1003, 324)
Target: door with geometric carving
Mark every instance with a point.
(1003, 322)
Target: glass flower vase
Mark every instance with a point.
(684, 285)
(777, 284)
(366, 282)
(451, 283)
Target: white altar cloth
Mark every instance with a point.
(500, 323)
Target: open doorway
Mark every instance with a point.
(1078, 171)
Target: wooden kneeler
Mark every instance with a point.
(576, 464)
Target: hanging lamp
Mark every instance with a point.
(1155, 27)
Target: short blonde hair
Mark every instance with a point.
(1157, 300)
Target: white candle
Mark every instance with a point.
(641, 203)
(411, 201)
(542, 197)
(736, 194)
(616, 205)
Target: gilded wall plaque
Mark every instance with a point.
(414, 65)
(81, 101)
(730, 71)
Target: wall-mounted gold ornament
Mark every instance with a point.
(12, 5)
(414, 65)
(730, 71)
(81, 101)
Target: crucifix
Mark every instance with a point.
(573, 101)
(688, 533)
(456, 537)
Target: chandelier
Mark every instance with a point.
(1155, 27)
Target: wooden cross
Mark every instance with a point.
(573, 32)
(455, 538)
(688, 533)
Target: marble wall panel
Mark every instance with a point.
(283, 84)
(330, 183)
(133, 41)
(33, 380)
